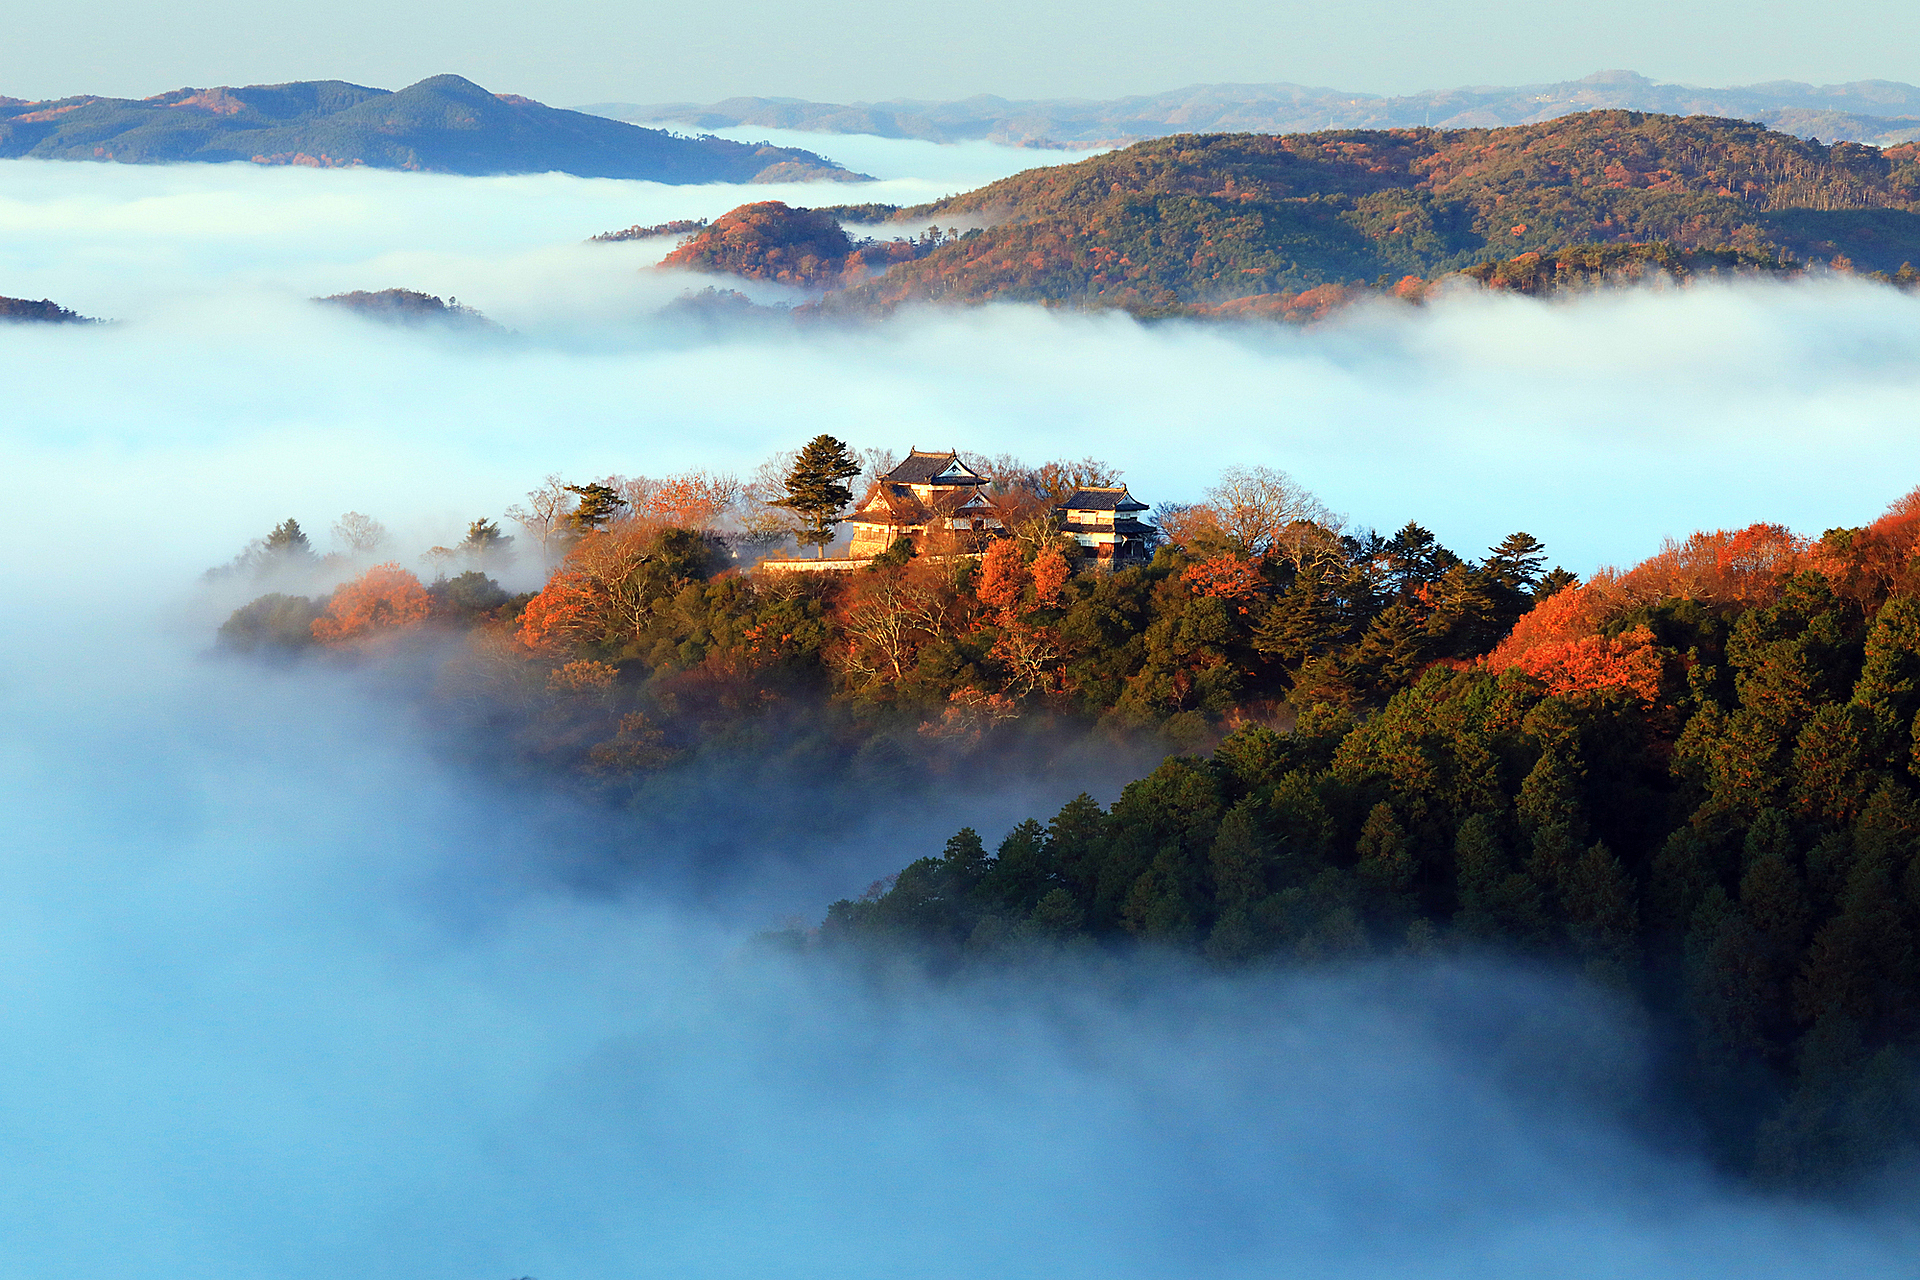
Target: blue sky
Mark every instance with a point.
(576, 51)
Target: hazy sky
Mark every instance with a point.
(577, 51)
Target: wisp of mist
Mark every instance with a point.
(285, 993)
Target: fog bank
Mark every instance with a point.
(286, 994)
(1599, 424)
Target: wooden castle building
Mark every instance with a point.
(927, 494)
(1103, 520)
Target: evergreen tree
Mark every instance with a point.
(286, 543)
(815, 492)
(598, 505)
(1386, 866)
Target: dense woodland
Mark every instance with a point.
(1694, 779)
(1242, 224)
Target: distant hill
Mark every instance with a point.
(1207, 218)
(1877, 111)
(445, 124)
(410, 307)
(42, 312)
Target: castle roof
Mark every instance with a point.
(896, 504)
(1103, 498)
(933, 468)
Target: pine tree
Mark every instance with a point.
(287, 542)
(1386, 865)
(598, 505)
(1238, 860)
(814, 490)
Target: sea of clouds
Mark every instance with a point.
(283, 993)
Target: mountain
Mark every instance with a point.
(444, 124)
(1206, 218)
(1881, 112)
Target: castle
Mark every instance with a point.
(935, 494)
(927, 493)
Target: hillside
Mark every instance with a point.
(1207, 218)
(23, 310)
(444, 124)
(1876, 111)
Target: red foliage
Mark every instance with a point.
(1870, 564)
(1002, 575)
(1226, 577)
(691, 500)
(1741, 567)
(1050, 573)
(1629, 661)
(384, 597)
(570, 605)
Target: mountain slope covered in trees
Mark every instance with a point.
(1206, 218)
(444, 124)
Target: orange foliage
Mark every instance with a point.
(583, 677)
(1629, 661)
(690, 500)
(1740, 567)
(1050, 573)
(1225, 577)
(1002, 575)
(1870, 564)
(384, 597)
(569, 605)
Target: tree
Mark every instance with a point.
(544, 515)
(286, 543)
(484, 537)
(384, 597)
(358, 535)
(814, 489)
(597, 506)
(1515, 563)
(1252, 508)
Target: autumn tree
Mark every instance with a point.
(383, 598)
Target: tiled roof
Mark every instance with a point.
(1103, 499)
(923, 468)
(906, 509)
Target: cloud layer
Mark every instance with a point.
(284, 996)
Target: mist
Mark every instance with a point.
(288, 992)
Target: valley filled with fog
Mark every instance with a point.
(287, 992)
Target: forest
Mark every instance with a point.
(1207, 224)
(1692, 780)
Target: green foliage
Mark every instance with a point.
(270, 623)
(816, 491)
(1749, 869)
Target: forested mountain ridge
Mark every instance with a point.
(1877, 111)
(1206, 218)
(444, 124)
